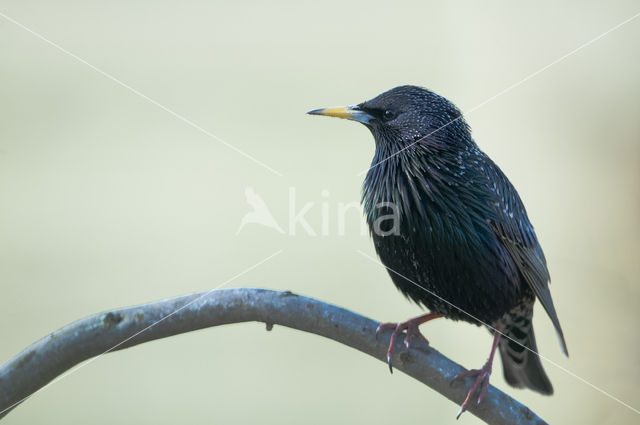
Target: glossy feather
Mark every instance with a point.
(465, 246)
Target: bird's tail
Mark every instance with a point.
(520, 361)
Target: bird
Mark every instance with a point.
(452, 232)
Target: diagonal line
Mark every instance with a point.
(91, 360)
(612, 397)
(509, 88)
(142, 95)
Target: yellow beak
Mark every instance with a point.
(347, 112)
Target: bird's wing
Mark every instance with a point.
(513, 228)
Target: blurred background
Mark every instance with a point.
(107, 200)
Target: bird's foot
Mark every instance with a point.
(412, 328)
(481, 383)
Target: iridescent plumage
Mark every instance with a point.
(464, 246)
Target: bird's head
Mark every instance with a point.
(404, 115)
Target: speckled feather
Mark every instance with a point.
(464, 234)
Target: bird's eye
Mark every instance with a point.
(389, 114)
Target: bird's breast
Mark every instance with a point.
(439, 252)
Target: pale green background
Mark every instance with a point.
(109, 201)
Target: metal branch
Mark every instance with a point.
(59, 351)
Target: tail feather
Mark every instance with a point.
(520, 361)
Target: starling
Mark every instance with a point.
(452, 231)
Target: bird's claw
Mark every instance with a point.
(481, 382)
(384, 326)
(411, 326)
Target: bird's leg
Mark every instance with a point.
(482, 375)
(411, 326)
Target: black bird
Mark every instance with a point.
(452, 231)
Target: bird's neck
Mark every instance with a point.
(418, 182)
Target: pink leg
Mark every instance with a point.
(482, 376)
(411, 326)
